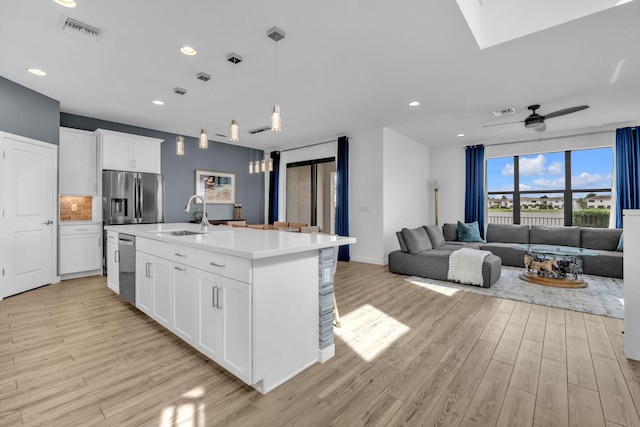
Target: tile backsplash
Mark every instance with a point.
(76, 208)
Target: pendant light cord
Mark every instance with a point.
(276, 74)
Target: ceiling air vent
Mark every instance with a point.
(80, 29)
(258, 130)
(506, 111)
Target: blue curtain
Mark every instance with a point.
(342, 208)
(627, 171)
(274, 179)
(474, 194)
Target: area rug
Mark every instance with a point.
(603, 296)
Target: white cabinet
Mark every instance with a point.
(113, 260)
(185, 307)
(153, 287)
(77, 154)
(224, 317)
(631, 284)
(80, 249)
(127, 152)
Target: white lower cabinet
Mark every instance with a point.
(185, 308)
(153, 287)
(224, 317)
(80, 249)
(112, 261)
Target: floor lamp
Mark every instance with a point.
(436, 186)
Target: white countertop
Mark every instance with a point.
(238, 241)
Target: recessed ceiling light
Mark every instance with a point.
(414, 103)
(36, 71)
(158, 102)
(188, 50)
(66, 3)
(460, 135)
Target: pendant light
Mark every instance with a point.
(180, 139)
(276, 34)
(251, 161)
(234, 130)
(204, 138)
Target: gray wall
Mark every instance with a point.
(28, 113)
(179, 171)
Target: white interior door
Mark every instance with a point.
(28, 223)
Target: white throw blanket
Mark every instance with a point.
(465, 266)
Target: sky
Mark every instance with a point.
(590, 169)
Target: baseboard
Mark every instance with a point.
(369, 260)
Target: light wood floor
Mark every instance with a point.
(74, 354)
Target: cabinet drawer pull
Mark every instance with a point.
(216, 265)
(218, 303)
(116, 256)
(148, 270)
(180, 268)
(213, 295)
(80, 229)
(180, 255)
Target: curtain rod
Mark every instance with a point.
(551, 137)
(313, 145)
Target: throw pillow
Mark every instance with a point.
(469, 232)
(403, 245)
(417, 240)
(620, 247)
(435, 235)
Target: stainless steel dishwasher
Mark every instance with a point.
(127, 267)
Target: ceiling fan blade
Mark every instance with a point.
(541, 128)
(566, 111)
(500, 124)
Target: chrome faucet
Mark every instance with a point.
(205, 221)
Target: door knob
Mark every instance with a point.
(48, 222)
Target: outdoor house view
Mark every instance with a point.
(545, 195)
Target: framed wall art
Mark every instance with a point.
(216, 187)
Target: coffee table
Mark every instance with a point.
(553, 265)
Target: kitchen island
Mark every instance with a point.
(257, 302)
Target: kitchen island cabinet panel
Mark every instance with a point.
(185, 308)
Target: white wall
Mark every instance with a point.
(407, 197)
(448, 164)
(366, 195)
(448, 167)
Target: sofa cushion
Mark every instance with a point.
(606, 263)
(417, 240)
(503, 233)
(620, 247)
(469, 232)
(506, 252)
(450, 232)
(403, 245)
(435, 235)
(563, 236)
(604, 239)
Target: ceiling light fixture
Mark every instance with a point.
(66, 3)
(157, 102)
(188, 50)
(414, 103)
(36, 72)
(460, 135)
(276, 34)
(234, 130)
(180, 139)
(204, 138)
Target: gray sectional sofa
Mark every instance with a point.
(432, 260)
(430, 257)
(608, 262)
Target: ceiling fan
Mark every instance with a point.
(535, 121)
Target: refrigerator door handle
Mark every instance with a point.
(138, 199)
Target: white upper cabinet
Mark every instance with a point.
(127, 152)
(77, 153)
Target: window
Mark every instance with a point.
(553, 189)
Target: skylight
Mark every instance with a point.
(497, 21)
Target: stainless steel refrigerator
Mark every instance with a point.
(131, 198)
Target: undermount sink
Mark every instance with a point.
(181, 232)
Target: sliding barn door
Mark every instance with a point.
(28, 193)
